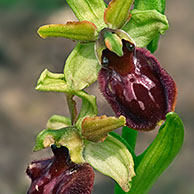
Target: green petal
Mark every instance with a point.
(81, 68)
(113, 43)
(111, 158)
(89, 10)
(158, 156)
(117, 13)
(96, 128)
(111, 39)
(83, 31)
(68, 137)
(58, 122)
(54, 82)
(145, 25)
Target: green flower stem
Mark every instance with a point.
(72, 107)
(130, 135)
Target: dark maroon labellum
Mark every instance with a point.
(58, 175)
(136, 86)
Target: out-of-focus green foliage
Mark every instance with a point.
(43, 5)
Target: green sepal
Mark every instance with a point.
(117, 13)
(158, 156)
(96, 128)
(68, 137)
(145, 25)
(81, 68)
(58, 122)
(112, 158)
(153, 45)
(92, 10)
(83, 31)
(158, 5)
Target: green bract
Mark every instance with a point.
(113, 159)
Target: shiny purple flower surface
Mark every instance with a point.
(58, 175)
(136, 86)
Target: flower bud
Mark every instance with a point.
(59, 175)
(136, 86)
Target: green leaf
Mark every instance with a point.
(145, 25)
(81, 68)
(130, 135)
(111, 158)
(96, 128)
(68, 137)
(83, 31)
(117, 13)
(158, 156)
(58, 122)
(90, 10)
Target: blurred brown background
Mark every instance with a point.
(24, 111)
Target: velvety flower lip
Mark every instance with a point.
(58, 175)
(136, 86)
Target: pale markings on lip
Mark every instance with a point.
(146, 82)
(37, 187)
